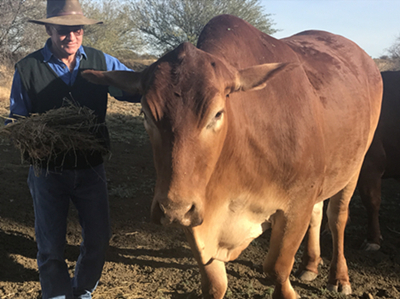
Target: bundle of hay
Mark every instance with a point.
(41, 137)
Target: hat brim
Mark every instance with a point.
(70, 20)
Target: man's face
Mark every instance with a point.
(66, 40)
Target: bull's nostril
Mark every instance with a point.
(191, 212)
(192, 209)
(193, 216)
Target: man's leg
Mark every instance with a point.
(91, 200)
(51, 201)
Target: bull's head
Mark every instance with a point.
(186, 108)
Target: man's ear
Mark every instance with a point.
(48, 29)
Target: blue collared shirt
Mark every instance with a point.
(20, 103)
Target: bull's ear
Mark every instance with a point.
(255, 77)
(127, 81)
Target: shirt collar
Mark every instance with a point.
(47, 54)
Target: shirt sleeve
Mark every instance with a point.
(20, 103)
(113, 64)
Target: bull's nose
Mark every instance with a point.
(180, 215)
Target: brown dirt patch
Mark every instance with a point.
(147, 261)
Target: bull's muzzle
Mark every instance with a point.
(174, 214)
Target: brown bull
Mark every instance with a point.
(383, 157)
(250, 132)
(382, 161)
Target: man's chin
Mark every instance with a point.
(70, 51)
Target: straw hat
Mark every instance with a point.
(65, 13)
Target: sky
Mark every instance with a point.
(372, 24)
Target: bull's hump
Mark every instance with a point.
(241, 44)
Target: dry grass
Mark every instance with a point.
(5, 84)
(125, 122)
(4, 93)
(58, 131)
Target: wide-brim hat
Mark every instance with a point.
(65, 13)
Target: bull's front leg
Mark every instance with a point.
(287, 233)
(214, 281)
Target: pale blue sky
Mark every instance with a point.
(373, 24)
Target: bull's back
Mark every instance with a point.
(348, 89)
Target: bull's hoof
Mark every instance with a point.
(366, 246)
(307, 275)
(345, 290)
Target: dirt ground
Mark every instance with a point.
(147, 261)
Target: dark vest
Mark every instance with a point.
(48, 91)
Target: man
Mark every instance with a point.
(42, 81)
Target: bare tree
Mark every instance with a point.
(9, 23)
(394, 54)
(16, 34)
(117, 35)
(394, 50)
(167, 23)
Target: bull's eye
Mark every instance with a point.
(216, 121)
(219, 115)
(147, 121)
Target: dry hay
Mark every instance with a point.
(42, 137)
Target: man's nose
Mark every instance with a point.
(70, 36)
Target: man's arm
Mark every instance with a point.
(20, 103)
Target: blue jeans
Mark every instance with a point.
(52, 193)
